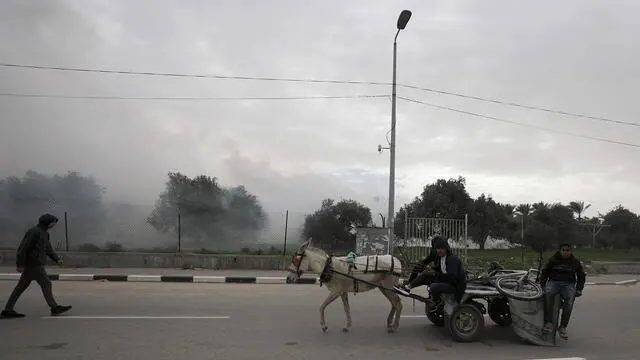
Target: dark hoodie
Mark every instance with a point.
(432, 257)
(35, 246)
(455, 275)
(564, 270)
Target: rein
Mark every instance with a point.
(326, 274)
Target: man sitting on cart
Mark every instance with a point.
(562, 275)
(449, 277)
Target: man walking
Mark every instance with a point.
(562, 275)
(30, 260)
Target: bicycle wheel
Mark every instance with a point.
(513, 287)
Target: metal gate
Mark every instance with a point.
(419, 232)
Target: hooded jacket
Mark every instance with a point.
(564, 270)
(455, 275)
(431, 258)
(35, 245)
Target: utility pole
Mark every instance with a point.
(179, 230)
(66, 232)
(523, 247)
(286, 227)
(403, 19)
(522, 237)
(595, 230)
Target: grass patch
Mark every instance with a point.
(519, 259)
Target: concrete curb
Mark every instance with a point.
(213, 279)
(171, 278)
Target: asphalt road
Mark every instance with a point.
(231, 321)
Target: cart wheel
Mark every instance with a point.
(520, 290)
(466, 323)
(499, 312)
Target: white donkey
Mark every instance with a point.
(383, 270)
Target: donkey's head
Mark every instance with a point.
(304, 260)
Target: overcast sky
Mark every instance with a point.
(576, 56)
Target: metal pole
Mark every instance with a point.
(522, 236)
(66, 232)
(392, 147)
(466, 239)
(406, 226)
(179, 233)
(286, 227)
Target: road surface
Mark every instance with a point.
(140, 321)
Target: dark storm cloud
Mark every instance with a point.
(571, 55)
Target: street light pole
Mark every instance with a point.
(403, 19)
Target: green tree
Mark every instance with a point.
(523, 214)
(211, 215)
(578, 208)
(624, 230)
(539, 236)
(333, 225)
(23, 199)
(486, 218)
(443, 199)
(556, 221)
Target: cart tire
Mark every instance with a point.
(466, 324)
(499, 312)
(502, 285)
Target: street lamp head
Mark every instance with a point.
(403, 19)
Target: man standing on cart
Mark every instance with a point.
(562, 275)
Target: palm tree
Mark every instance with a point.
(508, 210)
(540, 207)
(578, 208)
(524, 209)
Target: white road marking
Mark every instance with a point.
(627, 282)
(136, 317)
(413, 316)
(571, 358)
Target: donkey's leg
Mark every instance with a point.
(398, 306)
(347, 311)
(332, 296)
(395, 300)
(393, 309)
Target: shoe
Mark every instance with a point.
(562, 332)
(60, 310)
(436, 306)
(548, 328)
(11, 314)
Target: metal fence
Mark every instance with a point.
(420, 231)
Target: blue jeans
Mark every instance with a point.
(567, 293)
